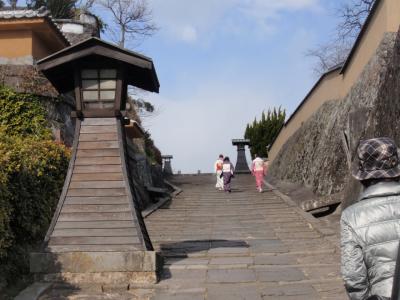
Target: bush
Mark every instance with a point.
(32, 171)
(23, 115)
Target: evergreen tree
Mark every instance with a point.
(60, 9)
(262, 133)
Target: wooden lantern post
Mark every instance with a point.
(97, 233)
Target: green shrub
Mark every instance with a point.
(32, 171)
(23, 114)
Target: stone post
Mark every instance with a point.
(167, 168)
(241, 162)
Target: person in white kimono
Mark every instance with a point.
(218, 171)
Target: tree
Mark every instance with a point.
(131, 19)
(262, 133)
(12, 3)
(352, 16)
(60, 9)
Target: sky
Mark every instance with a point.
(220, 63)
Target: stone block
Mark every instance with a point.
(233, 292)
(92, 262)
(136, 278)
(230, 276)
(246, 260)
(282, 274)
(274, 260)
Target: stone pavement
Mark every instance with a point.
(242, 245)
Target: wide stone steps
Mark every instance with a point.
(242, 245)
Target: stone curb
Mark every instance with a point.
(152, 208)
(291, 203)
(315, 223)
(34, 291)
(176, 189)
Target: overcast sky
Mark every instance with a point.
(221, 63)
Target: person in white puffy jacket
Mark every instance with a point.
(370, 228)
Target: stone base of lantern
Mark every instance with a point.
(128, 268)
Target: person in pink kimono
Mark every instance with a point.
(259, 170)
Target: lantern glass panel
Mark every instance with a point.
(98, 88)
(108, 73)
(90, 84)
(90, 95)
(107, 95)
(89, 73)
(108, 84)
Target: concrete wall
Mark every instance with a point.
(23, 41)
(329, 87)
(369, 41)
(40, 48)
(336, 85)
(315, 155)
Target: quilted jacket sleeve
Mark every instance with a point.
(354, 271)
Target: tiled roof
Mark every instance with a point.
(24, 13)
(19, 13)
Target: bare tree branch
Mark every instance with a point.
(352, 16)
(132, 19)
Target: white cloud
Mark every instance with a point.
(189, 20)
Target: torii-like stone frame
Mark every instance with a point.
(97, 233)
(167, 168)
(241, 163)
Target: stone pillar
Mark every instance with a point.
(167, 168)
(241, 163)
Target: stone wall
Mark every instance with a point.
(76, 31)
(27, 79)
(144, 174)
(315, 155)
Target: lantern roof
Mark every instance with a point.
(240, 142)
(59, 67)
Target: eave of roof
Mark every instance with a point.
(115, 47)
(360, 35)
(23, 13)
(93, 47)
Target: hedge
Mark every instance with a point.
(32, 171)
